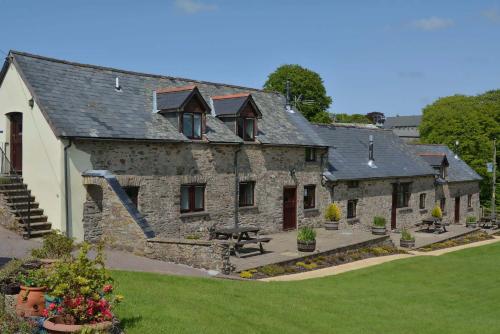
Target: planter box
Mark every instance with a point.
(331, 226)
(54, 328)
(306, 246)
(379, 230)
(407, 243)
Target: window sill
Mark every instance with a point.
(248, 208)
(405, 210)
(423, 211)
(311, 212)
(194, 214)
(470, 209)
(352, 220)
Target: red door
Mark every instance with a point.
(289, 208)
(394, 206)
(457, 209)
(16, 141)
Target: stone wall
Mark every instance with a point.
(7, 217)
(452, 190)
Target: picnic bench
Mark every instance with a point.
(240, 237)
(439, 225)
(488, 222)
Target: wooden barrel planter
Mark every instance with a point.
(406, 243)
(30, 301)
(471, 224)
(331, 226)
(378, 230)
(56, 328)
(306, 246)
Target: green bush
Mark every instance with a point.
(307, 266)
(246, 274)
(437, 213)
(471, 219)
(405, 235)
(306, 234)
(379, 221)
(55, 246)
(333, 213)
(272, 270)
(34, 278)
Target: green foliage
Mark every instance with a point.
(306, 234)
(34, 278)
(55, 246)
(406, 235)
(305, 84)
(379, 221)
(10, 271)
(11, 324)
(333, 212)
(352, 118)
(272, 270)
(437, 213)
(471, 219)
(474, 121)
(307, 266)
(246, 274)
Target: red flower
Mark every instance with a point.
(45, 313)
(90, 311)
(52, 306)
(107, 288)
(60, 310)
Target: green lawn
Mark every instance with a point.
(454, 293)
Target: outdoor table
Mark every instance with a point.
(487, 222)
(438, 225)
(241, 236)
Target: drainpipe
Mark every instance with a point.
(236, 187)
(66, 186)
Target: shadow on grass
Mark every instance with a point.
(130, 322)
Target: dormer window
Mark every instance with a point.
(439, 162)
(185, 107)
(239, 112)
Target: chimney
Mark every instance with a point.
(371, 160)
(118, 88)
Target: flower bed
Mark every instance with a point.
(319, 261)
(463, 240)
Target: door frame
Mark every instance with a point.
(394, 207)
(294, 227)
(457, 209)
(16, 142)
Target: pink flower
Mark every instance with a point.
(52, 306)
(45, 313)
(107, 288)
(60, 310)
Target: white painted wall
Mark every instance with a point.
(42, 150)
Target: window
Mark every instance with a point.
(352, 184)
(133, 194)
(442, 204)
(246, 128)
(351, 208)
(246, 196)
(469, 201)
(402, 194)
(422, 201)
(309, 196)
(191, 125)
(192, 197)
(310, 154)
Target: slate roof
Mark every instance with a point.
(231, 105)
(348, 154)
(80, 100)
(400, 121)
(458, 170)
(173, 99)
(434, 159)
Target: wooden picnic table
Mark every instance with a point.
(438, 225)
(487, 222)
(241, 236)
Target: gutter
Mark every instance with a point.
(236, 187)
(66, 187)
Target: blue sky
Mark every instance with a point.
(389, 56)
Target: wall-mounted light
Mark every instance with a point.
(292, 173)
(31, 103)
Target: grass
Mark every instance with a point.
(454, 293)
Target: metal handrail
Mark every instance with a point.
(13, 173)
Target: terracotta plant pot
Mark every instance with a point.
(54, 328)
(378, 230)
(306, 246)
(331, 226)
(407, 243)
(30, 301)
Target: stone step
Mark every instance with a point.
(37, 226)
(20, 198)
(13, 192)
(37, 233)
(33, 219)
(24, 212)
(13, 185)
(23, 205)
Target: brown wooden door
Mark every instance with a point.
(289, 208)
(394, 206)
(16, 141)
(457, 209)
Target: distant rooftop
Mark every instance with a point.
(402, 121)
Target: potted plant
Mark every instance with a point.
(332, 216)
(30, 301)
(407, 240)
(56, 247)
(306, 240)
(81, 295)
(378, 227)
(471, 222)
(437, 213)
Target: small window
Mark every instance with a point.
(192, 197)
(133, 194)
(469, 201)
(246, 128)
(309, 197)
(442, 205)
(351, 208)
(246, 193)
(352, 184)
(310, 154)
(191, 125)
(422, 201)
(402, 194)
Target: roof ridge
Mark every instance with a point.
(114, 69)
(230, 96)
(349, 126)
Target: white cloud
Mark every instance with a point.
(492, 14)
(432, 23)
(194, 6)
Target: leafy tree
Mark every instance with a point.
(474, 121)
(354, 118)
(306, 89)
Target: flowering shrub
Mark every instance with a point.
(82, 290)
(437, 213)
(333, 212)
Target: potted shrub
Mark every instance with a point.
(407, 240)
(378, 227)
(30, 301)
(332, 216)
(471, 222)
(81, 295)
(437, 213)
(306, 240)
(56, 246)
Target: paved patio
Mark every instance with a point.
(283, 246)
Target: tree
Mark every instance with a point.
(306, 88)
(353, 118)
(472, 120)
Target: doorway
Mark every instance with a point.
(394, 208)
(289, 208)
(457, 209)
(16, 141)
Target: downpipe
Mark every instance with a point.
(66, 186)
